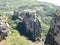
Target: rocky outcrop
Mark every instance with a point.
(4, 29)
(53, 36)
(30, 24)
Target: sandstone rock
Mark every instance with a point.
(4, 29)
(31, 22)
(53, 36)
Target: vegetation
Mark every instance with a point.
(45, 10)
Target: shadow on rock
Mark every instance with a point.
(21, 27)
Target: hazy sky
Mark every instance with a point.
(57, 2)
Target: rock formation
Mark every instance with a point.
(4, 29)
(53, 36)
(31, 24)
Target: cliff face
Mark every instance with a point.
(32, 24)
(53, 36)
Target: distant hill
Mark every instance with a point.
(11, 5)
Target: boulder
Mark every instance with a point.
(31, 23)
(4, 29)
(53, 36)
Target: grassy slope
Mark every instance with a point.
(16, 39)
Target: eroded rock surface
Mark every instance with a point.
(53, 36)
(4, 29)
(30, 23)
